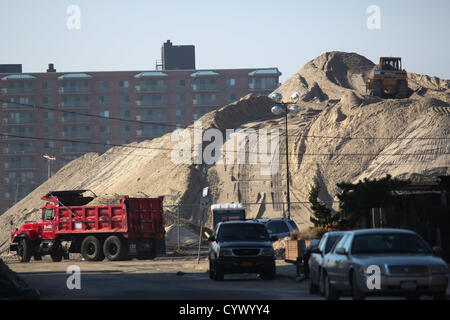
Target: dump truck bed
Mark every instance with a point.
(133, 217)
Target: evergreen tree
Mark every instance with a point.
(322, 216)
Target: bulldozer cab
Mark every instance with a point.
(390, 63)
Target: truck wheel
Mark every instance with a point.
(269, 274)
(313, 288)
(402, 89)
(56, 253)
(25, 250)
(356, 293)
(211, 270)
(377, 88)
(218, 272)
(91, 249)
(115, 249)
(330, 292)
(56, 256)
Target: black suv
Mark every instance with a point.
(241, 247)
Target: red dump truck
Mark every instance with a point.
(135, 227)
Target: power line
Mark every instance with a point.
(89, 114)
(193, 128)
(222, 151)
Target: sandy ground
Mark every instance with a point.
(340, 134)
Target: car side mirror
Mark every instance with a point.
(273, 238)
(341, 251)
(437, 251)
(212, 238)
(316, 250)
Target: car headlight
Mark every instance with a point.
(439, 269)
(225, 253)
(268, 252)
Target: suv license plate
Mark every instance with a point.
(246, 264)
(409, 285)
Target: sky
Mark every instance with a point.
(127, 35)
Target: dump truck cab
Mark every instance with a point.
(388, 79)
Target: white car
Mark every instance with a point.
(392, 262)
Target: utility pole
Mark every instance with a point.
(49, 158)
(277, 110)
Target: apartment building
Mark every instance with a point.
(66, 114)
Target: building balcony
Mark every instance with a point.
(144, 103)
(68, 120)
(7, 121)
(19, 166)
(73, 105)
(16, 181)
(204, 103)
(150, 89)
(17, 106)
(204, 87)
(15, 151)
(17, 91)
(17, 136)
(77, 151)
(254, 87)
(151, 119)
(74, 90)
(79, 135)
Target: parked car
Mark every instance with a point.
(316, 259)
(392, 262)
(241, 247)
(307, 254)
(280, 228)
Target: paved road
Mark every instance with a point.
(167, 279)
(163, 278)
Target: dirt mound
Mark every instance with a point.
(340, 134)
(329, 76)
(186, 237)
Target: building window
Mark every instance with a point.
(104, 131)
(104, 114)
(48, 132)
(153, 115)
(49, 146)
(124, 101)
(124, 85)
(204, 99)
(125, 115)
(180, 85)
(180, 100)
(125, 131)
(231, 83)
(47, 116)
(262, 83)
(46, 101)
(180, 114)
(103, 101)
(231, 97)
(103, 86)
(46, 86)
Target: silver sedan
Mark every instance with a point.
(392, 262)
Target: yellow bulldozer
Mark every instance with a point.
(388, 79)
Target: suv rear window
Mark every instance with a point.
(242, 232)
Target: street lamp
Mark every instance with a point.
(49, 158)
(277, 110)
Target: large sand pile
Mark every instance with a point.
(328, 142)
